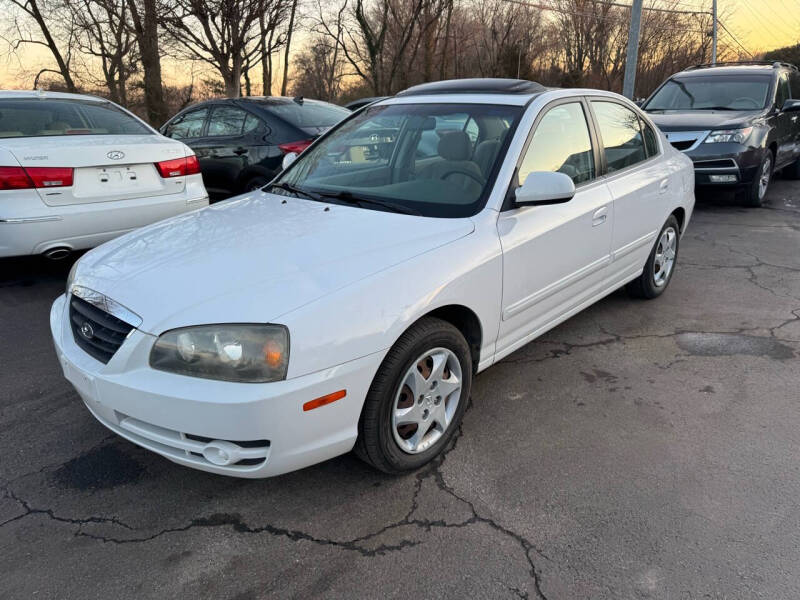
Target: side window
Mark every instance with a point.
(252, 124)
(794, 84)
(782, 93)
(190, 125)
(621, 135)
(650, 140)
(561, 143)
(226, 121)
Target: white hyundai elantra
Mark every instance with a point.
(350, 303)
(76, 171)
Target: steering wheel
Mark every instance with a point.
(470, 174)
(746, 99)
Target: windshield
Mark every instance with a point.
(729, 92)
(34, 117)
(431, 159)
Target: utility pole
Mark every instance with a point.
(714, 32)
(632, 57)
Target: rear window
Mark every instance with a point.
(309, 115)
(33, 117)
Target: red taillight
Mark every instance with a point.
(295, 146)
(192, 165)
(14, 178)
(18, 178)
(47, 177)
(178, 167)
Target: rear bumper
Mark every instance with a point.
(28, 226)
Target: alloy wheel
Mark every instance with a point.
(665, 256)
(426, 401)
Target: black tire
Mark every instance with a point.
(376, 443)
(754, 193)
(646, 285)
(254, 183)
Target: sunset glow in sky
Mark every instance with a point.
(759, 25)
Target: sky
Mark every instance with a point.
(758, 25)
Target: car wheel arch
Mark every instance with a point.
(253, 171)
(680, 215)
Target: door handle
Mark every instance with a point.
(663, 186)
(599, 217)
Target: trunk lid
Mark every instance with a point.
(106, 167)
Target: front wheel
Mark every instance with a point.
(660, 264)
(417, 399)
(754, 193)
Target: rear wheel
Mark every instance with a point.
(755, 192)
(417, 399)
(660, 264)
(255, 183)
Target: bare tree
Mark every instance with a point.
(145, 18)
(55, 32)
(223, 33)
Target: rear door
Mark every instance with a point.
(555, 257)
(638, 180)
(229, 146)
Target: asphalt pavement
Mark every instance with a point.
(643, 449)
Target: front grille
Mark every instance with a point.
(683, 144)
(98, 333)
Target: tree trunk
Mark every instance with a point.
(288, 45)
(146, 28)
(63, 67)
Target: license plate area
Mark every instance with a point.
(117, 182)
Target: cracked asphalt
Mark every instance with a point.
(639, 450)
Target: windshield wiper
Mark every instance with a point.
(349, 198)
(288, 187)
(717, 108)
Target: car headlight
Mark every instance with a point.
(737, 136)
(71, 276)
(238, 352)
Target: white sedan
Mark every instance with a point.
(350, 303)
(76, 171)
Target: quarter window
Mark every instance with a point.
(650, 141)
(190, 125)
(621, 135)
(226, 121)
(561, 143)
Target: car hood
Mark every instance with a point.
(253, 258)
(701, 120)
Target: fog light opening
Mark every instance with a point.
(222, 453)
(722, 178)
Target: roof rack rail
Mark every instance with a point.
(773, 63)
(475, 86)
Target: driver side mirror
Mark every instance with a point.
(289, 159)
(791, 106)
(544, 187)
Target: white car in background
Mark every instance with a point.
(350, 302)
(76, 171)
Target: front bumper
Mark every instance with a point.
(737, 161)
(178, 416)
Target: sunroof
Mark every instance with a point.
(475, 86)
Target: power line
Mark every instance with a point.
(733, 37)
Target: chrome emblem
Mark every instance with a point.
(87, 331)
(116, 155)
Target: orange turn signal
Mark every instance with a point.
(323, 400)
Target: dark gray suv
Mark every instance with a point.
(738, 122)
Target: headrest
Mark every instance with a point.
(455, 145)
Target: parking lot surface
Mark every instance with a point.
(640, 450)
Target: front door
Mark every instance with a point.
(555, 257)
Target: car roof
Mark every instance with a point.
(42, 94)
(729, 70)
